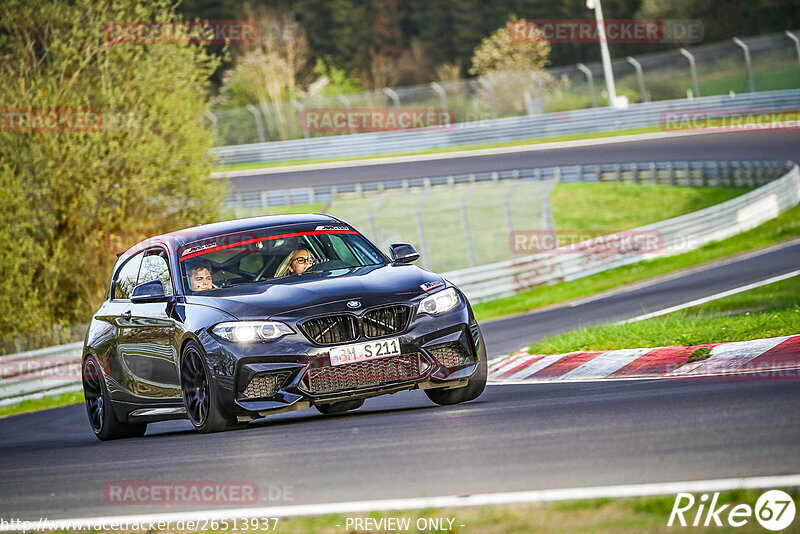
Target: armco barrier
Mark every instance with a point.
(57, 369)
(680, 234)
(37, 372)
(498, 130)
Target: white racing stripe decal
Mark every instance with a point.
(448, 501)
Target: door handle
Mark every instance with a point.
(126, 314)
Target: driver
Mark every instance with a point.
(200, 276)
(295, 263)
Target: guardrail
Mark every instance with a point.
(679, 234)
(41, 372)
(680, 173)
(54, 370)
(498, 130)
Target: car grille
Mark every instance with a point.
(343, 328)
(264, 385)
(451, 355)
(331, 329)
(364, 374)
(385, 321)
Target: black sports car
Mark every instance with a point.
(233, 321)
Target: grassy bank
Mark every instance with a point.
(34, 405)
(768, 311)
(783, 228)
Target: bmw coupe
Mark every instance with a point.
(233, 321)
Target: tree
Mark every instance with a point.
(141, 165)
(266, 74)
(499, 53)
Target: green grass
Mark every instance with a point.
(612, 207)
(44, 403)
(768, 311)
(783, 228)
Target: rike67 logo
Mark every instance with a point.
(774, 510)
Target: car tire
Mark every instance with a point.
(199, 393)
(475, 386)
(339, 407)
(102, 418)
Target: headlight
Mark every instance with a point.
(440, 302)
(249, 331)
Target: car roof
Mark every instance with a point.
(179, 238)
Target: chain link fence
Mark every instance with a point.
(708, 70)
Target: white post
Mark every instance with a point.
(794, 38)
(590, 80)
(607, 71)
(693, 67)
(640, 76)
(391, 93)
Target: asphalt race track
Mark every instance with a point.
(766, 145)
(513, 438)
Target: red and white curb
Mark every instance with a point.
(777, 357)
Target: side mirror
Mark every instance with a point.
(403, 253)
(152, 291)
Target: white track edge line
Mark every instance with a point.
(449, 501)
(716, 296)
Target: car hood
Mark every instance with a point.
(370, 285)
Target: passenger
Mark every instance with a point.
(200, 276)
(295, 263)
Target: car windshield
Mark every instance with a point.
(272, 254)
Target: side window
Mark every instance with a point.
(155, 267)
(125, 280)
(342, 251)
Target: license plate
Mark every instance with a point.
(359, 352)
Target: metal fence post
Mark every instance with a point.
(299, 107)
(391, 93)
(259, 125)
(794, 38)
(442, 94)
(344, 100)
(492, 102)
(590, 80)
(747, 63)
(473, 261)
(214, 126)
(426, 260)
(693, 67)
(640, 77)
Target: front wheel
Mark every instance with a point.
(475, 386)
(102, 418)
(199, 393)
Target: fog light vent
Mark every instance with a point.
(264, 385)
(451, 355)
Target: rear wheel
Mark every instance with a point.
(199, 393)
(475, 386)
(102, 418)
(339, 407)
